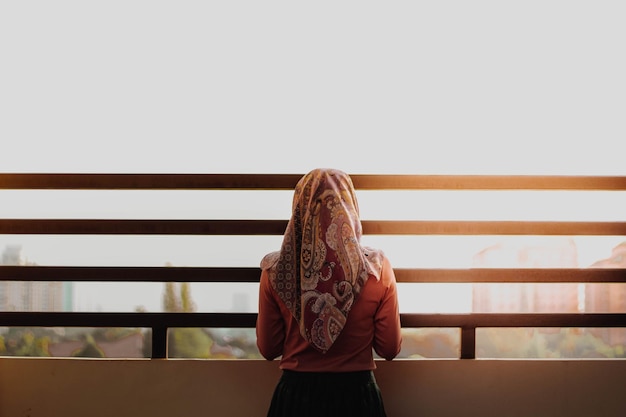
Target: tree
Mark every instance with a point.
(32, 345)
(186, 302)
(170, 299)
(89, 350)
(25, 342)
(184, 342)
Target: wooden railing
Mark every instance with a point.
(161, 322)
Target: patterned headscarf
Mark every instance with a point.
(321, 266)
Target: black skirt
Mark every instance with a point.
(327, 394)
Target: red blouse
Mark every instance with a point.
(373, 322)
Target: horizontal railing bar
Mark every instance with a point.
(488, 182)
(147, 320)
(288, 181)
(142, 227)
(511, 275)
(478, 320)
(129, 274)
(390, 227)
(149, 181)
(277, 227)
(408, 320)
(252, 274)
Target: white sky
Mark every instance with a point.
(489, 87)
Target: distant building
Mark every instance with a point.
(31, 295)
(551, 297)
(528, 297)
(609, 298)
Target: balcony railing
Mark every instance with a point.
(161, 322)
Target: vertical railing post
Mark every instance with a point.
(468, 342)
(159, 342)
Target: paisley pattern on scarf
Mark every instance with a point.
(321, 266)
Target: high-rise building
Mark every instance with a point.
(31, 295)
(609, 298)
(528, 297)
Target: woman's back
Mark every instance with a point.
(373, 323)
(325, 304)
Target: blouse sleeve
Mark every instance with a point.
(387, 328)
(270, 326)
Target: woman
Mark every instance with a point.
(325, 302)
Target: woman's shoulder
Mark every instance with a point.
(270, 260)
(380, 266)
(376, 260)
(374, 254)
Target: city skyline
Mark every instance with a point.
(215, 297)
(404, 251)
